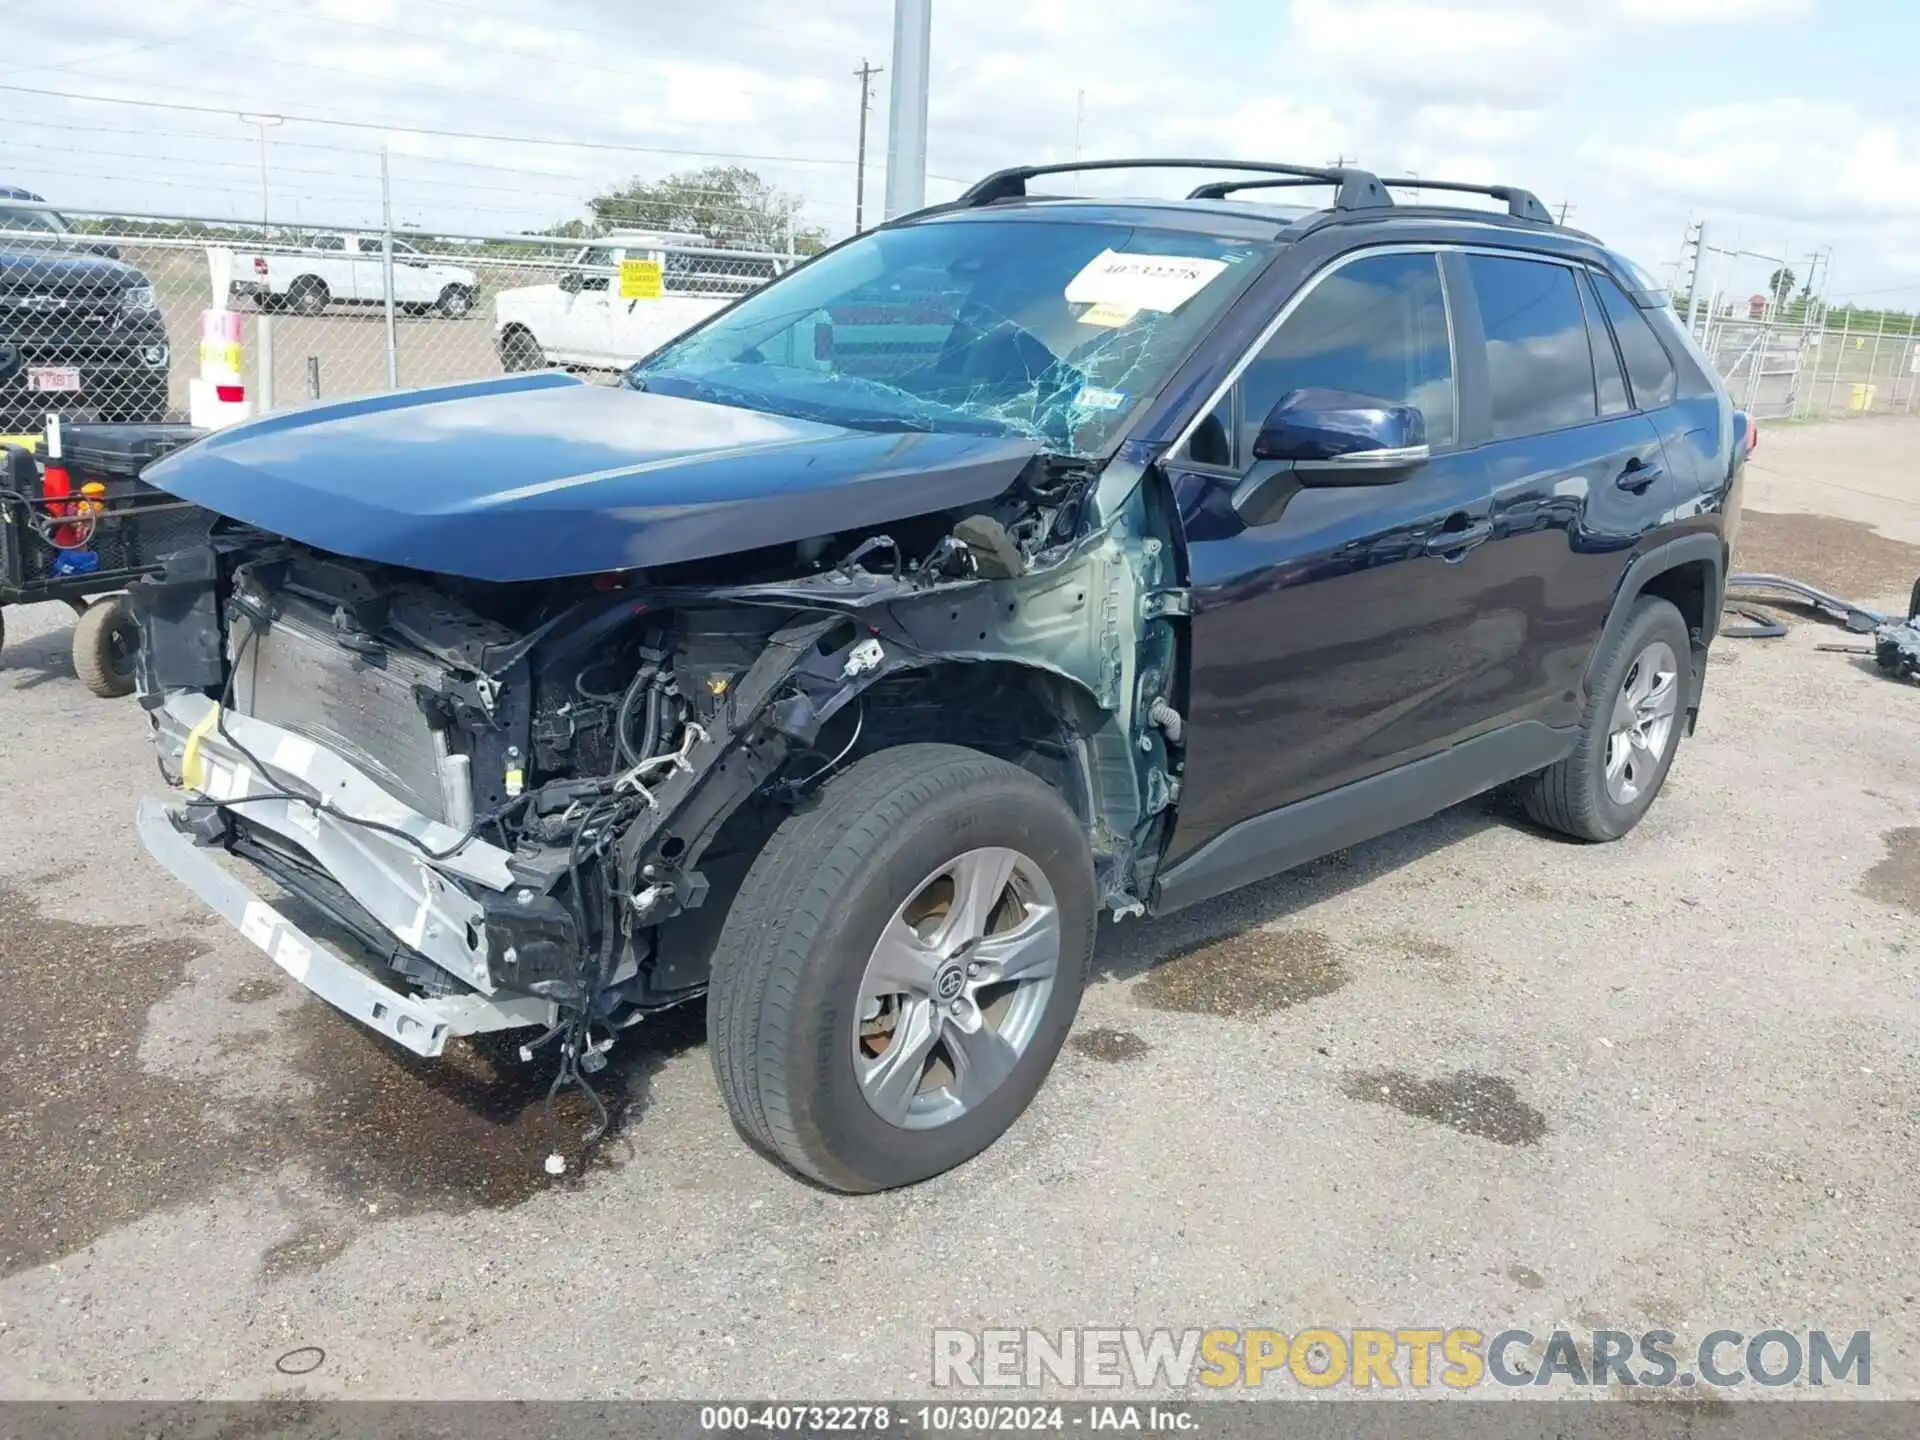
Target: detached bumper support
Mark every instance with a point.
(421, 1025)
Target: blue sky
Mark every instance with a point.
(1788, 125)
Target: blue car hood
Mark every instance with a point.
(534, 477)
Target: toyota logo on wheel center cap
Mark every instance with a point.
(949, 982)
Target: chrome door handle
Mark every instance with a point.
(1453, 545)
(1638, 476)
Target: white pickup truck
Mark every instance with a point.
(583, 322)
(348, 270)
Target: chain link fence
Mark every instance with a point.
(101, 316)
(1817, 366)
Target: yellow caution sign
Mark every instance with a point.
(642, 280)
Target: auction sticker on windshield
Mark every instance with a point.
(1142, 282)
(1107, 315)
(1092, 397)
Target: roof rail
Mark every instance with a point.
(1521, 204)
(1221, 189)
(1357, 189)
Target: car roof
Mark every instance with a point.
(1386, 222)
(1226, 219)
(14, 192)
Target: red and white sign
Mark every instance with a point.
(62, 378)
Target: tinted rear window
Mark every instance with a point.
(1652, 374)
(1538, 361)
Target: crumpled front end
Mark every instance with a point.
(460, 805)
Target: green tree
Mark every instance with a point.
(727, 204)
(1781, 283)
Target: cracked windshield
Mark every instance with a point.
(989, 327)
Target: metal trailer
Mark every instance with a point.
(87, 541)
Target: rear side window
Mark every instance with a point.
(1607, 374)
(1376, 327)
(1648, 366)
(1539, 364)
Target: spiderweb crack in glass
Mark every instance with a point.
(1043, 329)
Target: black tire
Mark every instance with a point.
(782, 1008)
(520, 351)
(106, 640)
(308, 295)
(1572, 797)
(455, 301)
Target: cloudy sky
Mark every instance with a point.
(1788, 125)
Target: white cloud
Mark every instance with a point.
(1497, 50)
(1712, 12)
(1793, 158)
(1553, 94)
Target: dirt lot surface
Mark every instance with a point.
(1463, 1075)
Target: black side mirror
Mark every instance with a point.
(572, 282)
(1335, 437)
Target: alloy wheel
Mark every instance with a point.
(955, 988)
(1643, 717)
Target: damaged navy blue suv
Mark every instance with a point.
(1022, 559)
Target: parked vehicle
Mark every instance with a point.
(351, 270)
(582, 320)
(81, 335)
(1211, 538)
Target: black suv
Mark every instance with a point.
(1021, 559)
(80, 332)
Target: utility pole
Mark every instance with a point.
(865, 76)
(1079, 119)
(386, 269)
(1566, 209)
(263, 123)
(1692, 253)
(907, 107)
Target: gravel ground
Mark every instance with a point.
(1466, 1074)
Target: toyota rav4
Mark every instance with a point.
(1023, 559)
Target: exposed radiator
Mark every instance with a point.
(295, 674)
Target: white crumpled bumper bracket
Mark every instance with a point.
(402, 893)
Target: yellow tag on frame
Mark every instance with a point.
(642, 280)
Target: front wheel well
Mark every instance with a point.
(1026, 717)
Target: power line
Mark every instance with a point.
(396, 128)
(332, 22)
(366, 78)
(234, 139)
(141, 49)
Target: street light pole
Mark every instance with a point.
(264, 123)
(907, 108)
